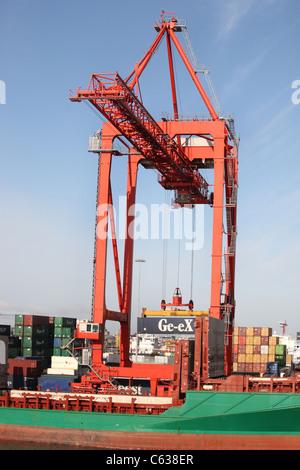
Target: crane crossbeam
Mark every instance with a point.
(115, 100)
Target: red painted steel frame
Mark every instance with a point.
(156, 142)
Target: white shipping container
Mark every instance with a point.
(264, 349)
(3, 349)
(62, 362)
(62, 371)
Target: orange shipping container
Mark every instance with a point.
(271, 358)
(235, 340)
(264, 358)
(249, 339)
(257, 340)
(249, 349)
(272, 350)
(256, 358)
(266, 332)
(273, 340)
(249, 331)
(234, 367)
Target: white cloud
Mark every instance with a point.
(232, 14)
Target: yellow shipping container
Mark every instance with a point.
(235, 331)
(266, 332)
(234, 367)
(249, 340)
(257, 340)
(288, 359)
(264, 358)
(241, 357)
(272, 350)
(256, 358)
(271, 358)
(249, 331)
(273, 340)
(249, 348)
(235, 340)
(249, 358)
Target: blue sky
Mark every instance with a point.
(48, 178)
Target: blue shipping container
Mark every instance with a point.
(56, 342)
(62, 383)
(273, 368)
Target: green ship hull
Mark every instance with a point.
(207, 420)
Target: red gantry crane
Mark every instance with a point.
(159, 145)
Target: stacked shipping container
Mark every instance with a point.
(36, 339)
(63, 332)
(254, 347)
(35, 332)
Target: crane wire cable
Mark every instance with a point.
(192, 254)
(179, 245)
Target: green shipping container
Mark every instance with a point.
(280, 350)
(56, 352)
(65, 322)
(57, 332)
(35, 342)
(13, 352)
(58, 322)
(27, 330)
(19, 319)
(281, 360)
(40, 331)
(67, 332)
(43, 352)
(19, 330)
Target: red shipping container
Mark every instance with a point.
(256, 367)
(256, 331)
(242, 330)
(241, 349)
(256, 349)
(263, 368)
(36, 320)
(26, 367)
(248, 367)
(242, 339)
(265, 340)
(241, 366)
(235, 349)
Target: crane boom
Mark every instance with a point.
(115, 100)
